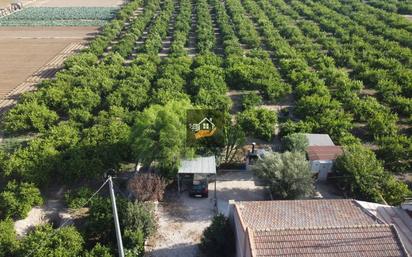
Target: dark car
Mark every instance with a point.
(199, 189)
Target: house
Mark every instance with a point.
(322, 153)
(301, 228)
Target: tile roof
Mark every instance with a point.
(330, 152)
(360, 241)
(258, 215)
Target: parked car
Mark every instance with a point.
(199, 189)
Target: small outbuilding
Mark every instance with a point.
(322, 153)
(190, 169)
(319, 139)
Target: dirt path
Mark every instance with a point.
(51, 211)
(182, 219)
(181, 222)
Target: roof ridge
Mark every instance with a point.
(323, 227)
(300, 200)
(364, 210)
(398, 239)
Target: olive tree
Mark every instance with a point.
(295, 142)
(288, 175)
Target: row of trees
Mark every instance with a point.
(375, 22)
(127, 43)
(205, 34)
(159, 30)
(181, 30)
(112, 29)
(247, 70)
(380, 121)
(382, 65)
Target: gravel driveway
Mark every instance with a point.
(182, 219)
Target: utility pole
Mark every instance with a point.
(116, 219)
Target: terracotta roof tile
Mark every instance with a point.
(323, 152)
(258, 215)
(360, 241)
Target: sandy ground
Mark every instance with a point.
(4, 3)
(49, 212)
(182, 219)
(76, 3)
(24, 50)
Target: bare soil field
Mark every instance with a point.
(23, 51)
(4, 3)
(75, 3)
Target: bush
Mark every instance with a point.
(218, 239)
(139, 216)
(288, 174)
(17, 199)
(45, 241)
(99, 251)
(79, 198)
(297, 142)
(29, 117)
(251, 100)
(258, 122)
(363, 177)
(147, 187)
(8, 240)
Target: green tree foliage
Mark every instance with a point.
(396, 152)
(136, 219)
(99, 251)
(288, 174)
(297, 142)
(17, 199)
(29, 116)
(33, 163)
(140, 216)
(234, 139)
(159, 135)
(258, 122)
(218, 239)
(363, 177)
(45, 241)
(78, 198)
(251, 100)
(8, 238)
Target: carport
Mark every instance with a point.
(200, 166)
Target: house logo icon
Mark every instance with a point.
(205, 128)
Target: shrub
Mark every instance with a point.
(99, 251)
(79, 198)
(18, 198)
(297, 142)
(44, 241)
(29, 117)
(288, 174)
(251, 100)
(139, 216)
(147, 187)
(258, 122)
(8, 240)
(363, 177)
(218, 239)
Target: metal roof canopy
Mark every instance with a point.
(319, 139)
(199, 165)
